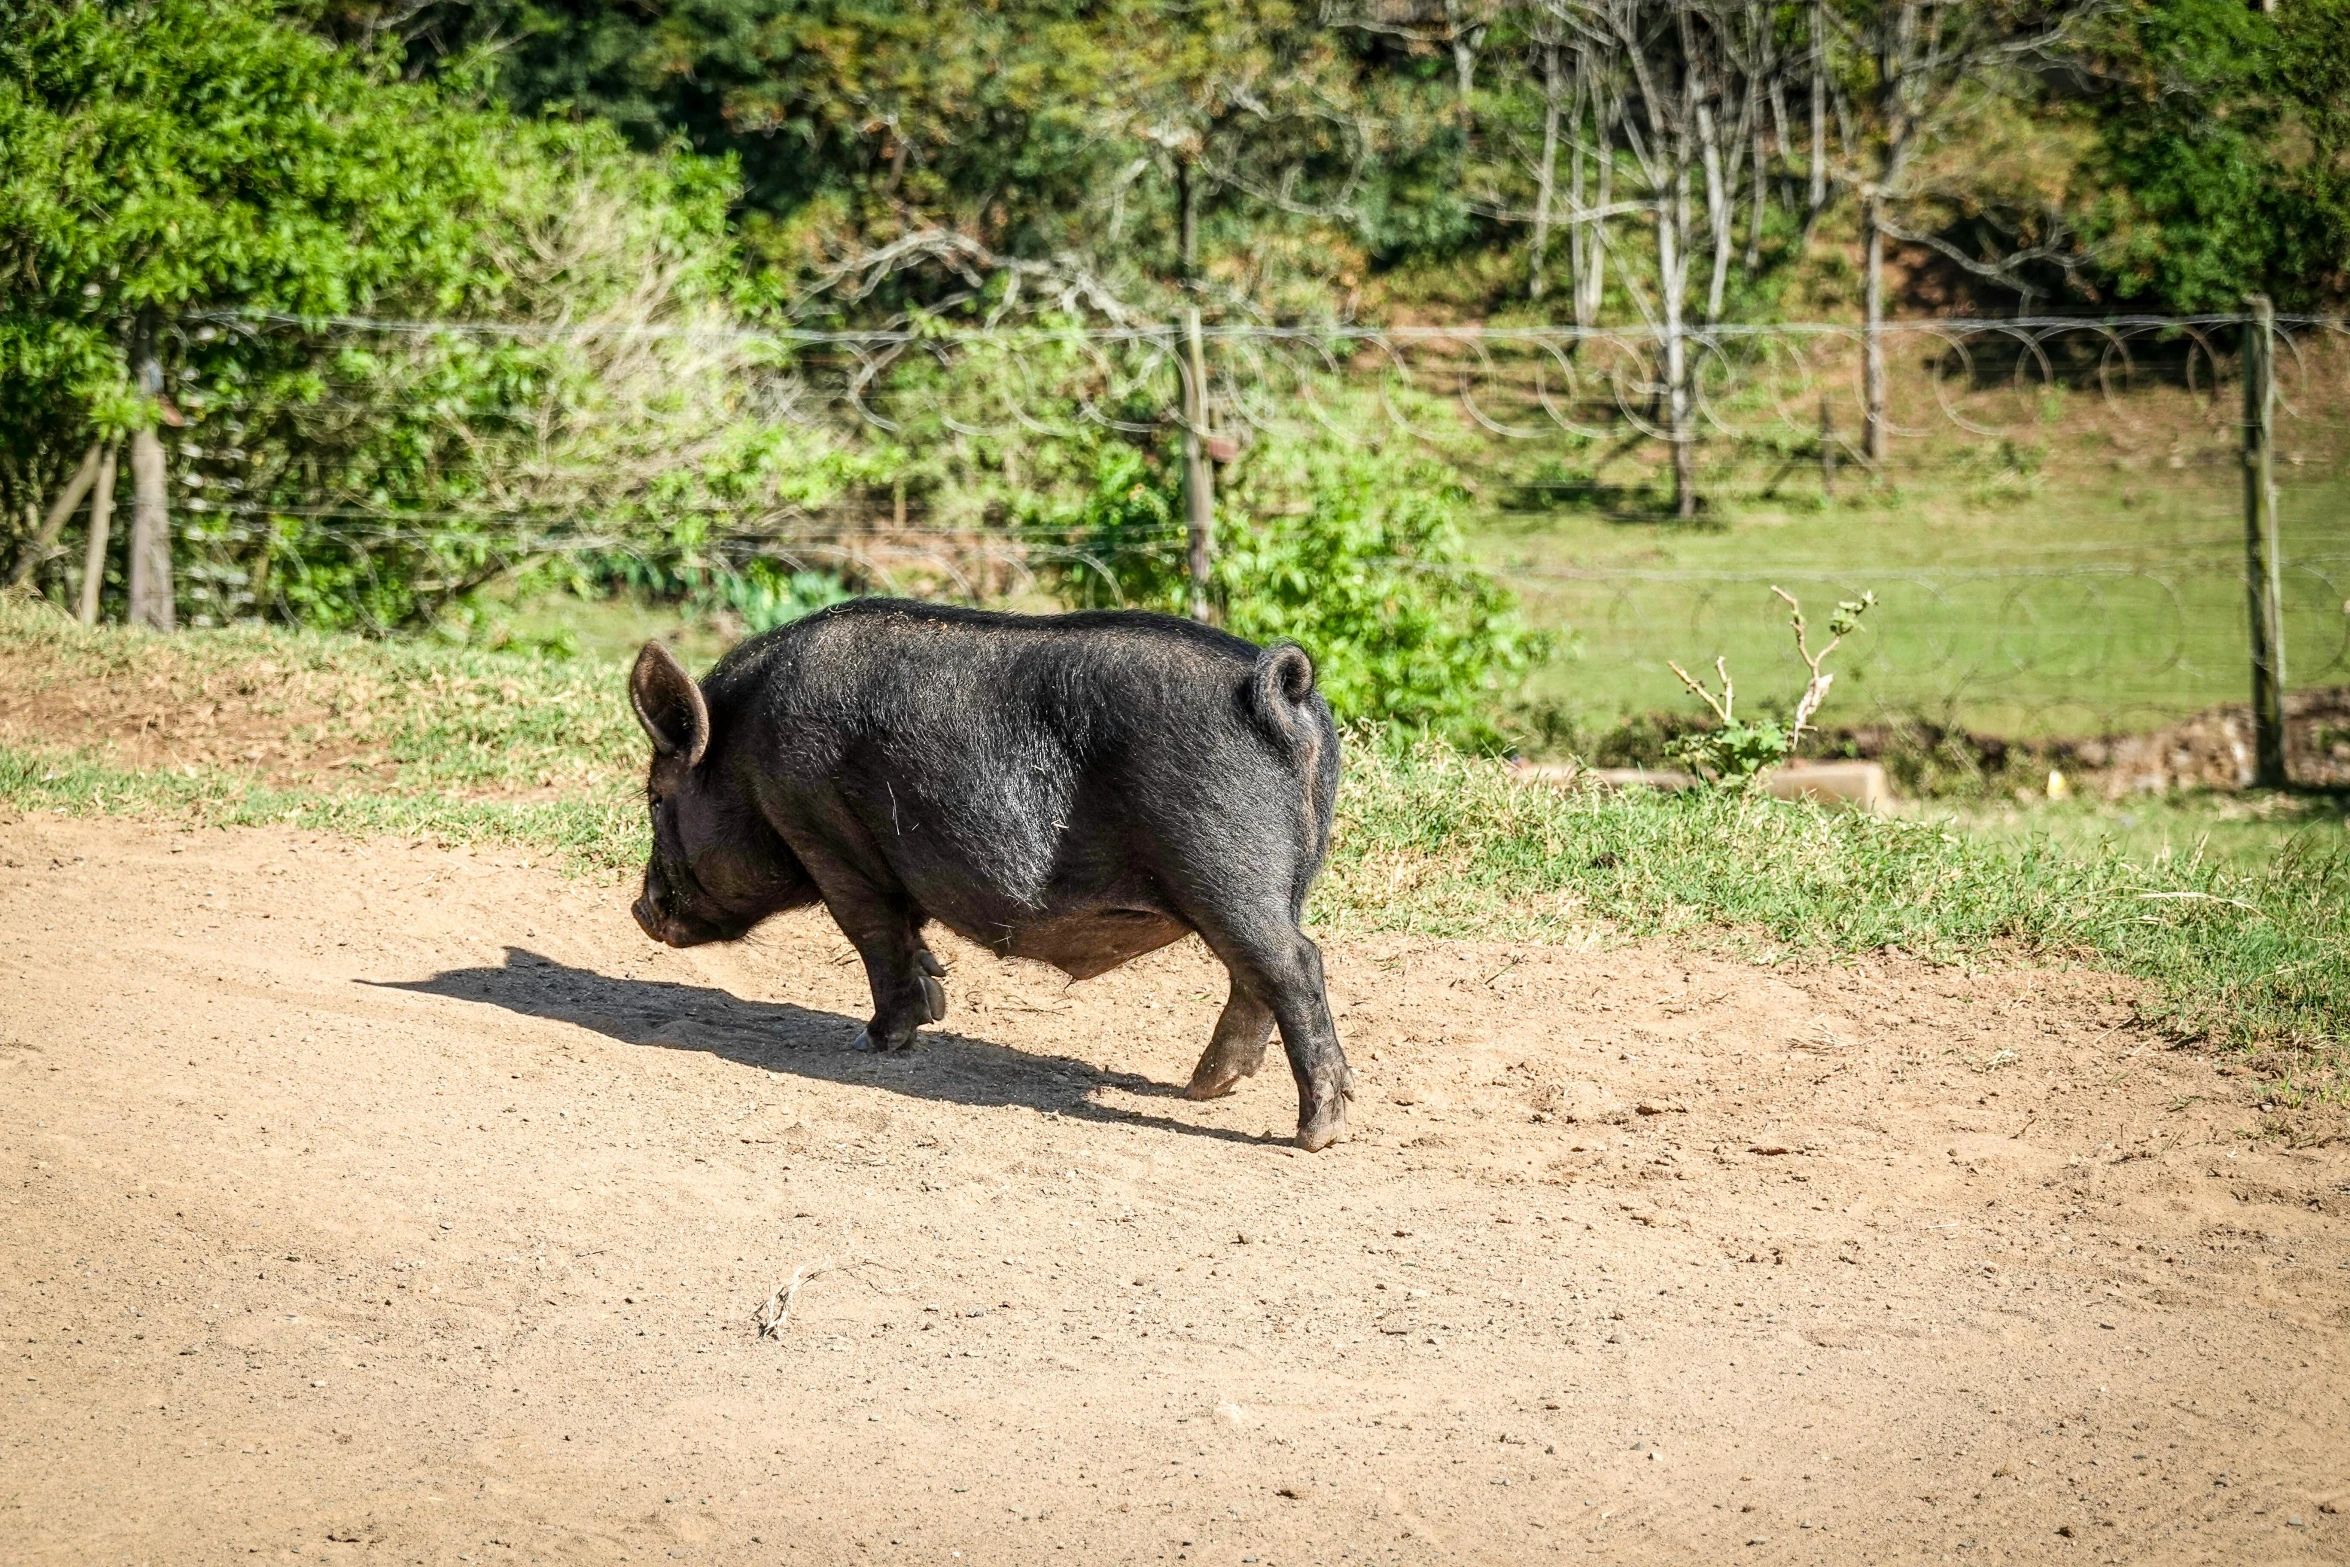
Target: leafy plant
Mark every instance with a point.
(1737, 751)
(213, 169)
(765, 594)
(1354, 551)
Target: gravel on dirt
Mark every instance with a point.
(373, 1202)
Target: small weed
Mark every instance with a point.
(1737, 751)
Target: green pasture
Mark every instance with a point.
(2027, 600)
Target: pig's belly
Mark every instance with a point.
(1080, 944)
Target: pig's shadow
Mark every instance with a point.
(779, 1037)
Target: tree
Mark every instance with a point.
(1916, 68)
(184, 185)
(2224, 156)
(195, 155)
(1676, 92)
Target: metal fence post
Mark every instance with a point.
(2262, 580)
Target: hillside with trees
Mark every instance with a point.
(234, 229)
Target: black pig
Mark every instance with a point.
(1079, 789)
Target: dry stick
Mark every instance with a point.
(68, 498)
(101, 524)
(771, 1316)
(1729, 696)
(1817, 691)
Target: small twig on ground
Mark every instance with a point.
(777, 1310)
(771, 1315)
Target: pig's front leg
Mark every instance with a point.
(906, 980)
(904, 974)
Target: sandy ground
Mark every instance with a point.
(369, 1202)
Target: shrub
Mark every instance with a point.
(213, 168)
(1352, 550)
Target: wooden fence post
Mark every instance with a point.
(101, 524)
(149, 574)
(2262, 580)
(37, 548)
(1827, 446)
(1199, 477)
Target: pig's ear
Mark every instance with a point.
(669, 704)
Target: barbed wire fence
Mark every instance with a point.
(2048, 627)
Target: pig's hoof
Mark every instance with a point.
(1325, 1126)
(882, 1043)
(1213, 1080)
(934, 996)
(927, 961)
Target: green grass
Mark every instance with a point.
(2091, 588)
(448, 718)
(2248, 949)
(604, 833)
(2239, 832)
(2253, 953)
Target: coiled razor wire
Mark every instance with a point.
(1989, 378)
(2161, 623)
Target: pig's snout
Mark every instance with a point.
(647, 910)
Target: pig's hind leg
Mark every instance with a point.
(1280, 968)
(1237, 1049)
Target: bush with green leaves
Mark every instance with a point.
(214, 169)
(765, 594)
(1737, 751)
(1352, 549)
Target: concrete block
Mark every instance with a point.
(1861, 785)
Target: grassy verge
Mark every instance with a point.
(2244, 832)
(605, 833)
(2100, 592)
(2252, 953)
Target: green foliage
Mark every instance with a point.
(2227, 153)
(1352, 550)
(193, 162)
(1037, 127)
(1734, 754)
(764, 595)
(1738, 751)
(1357, 553)
(199, 154)
(2193, 148)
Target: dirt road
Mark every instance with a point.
(373, 1203)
